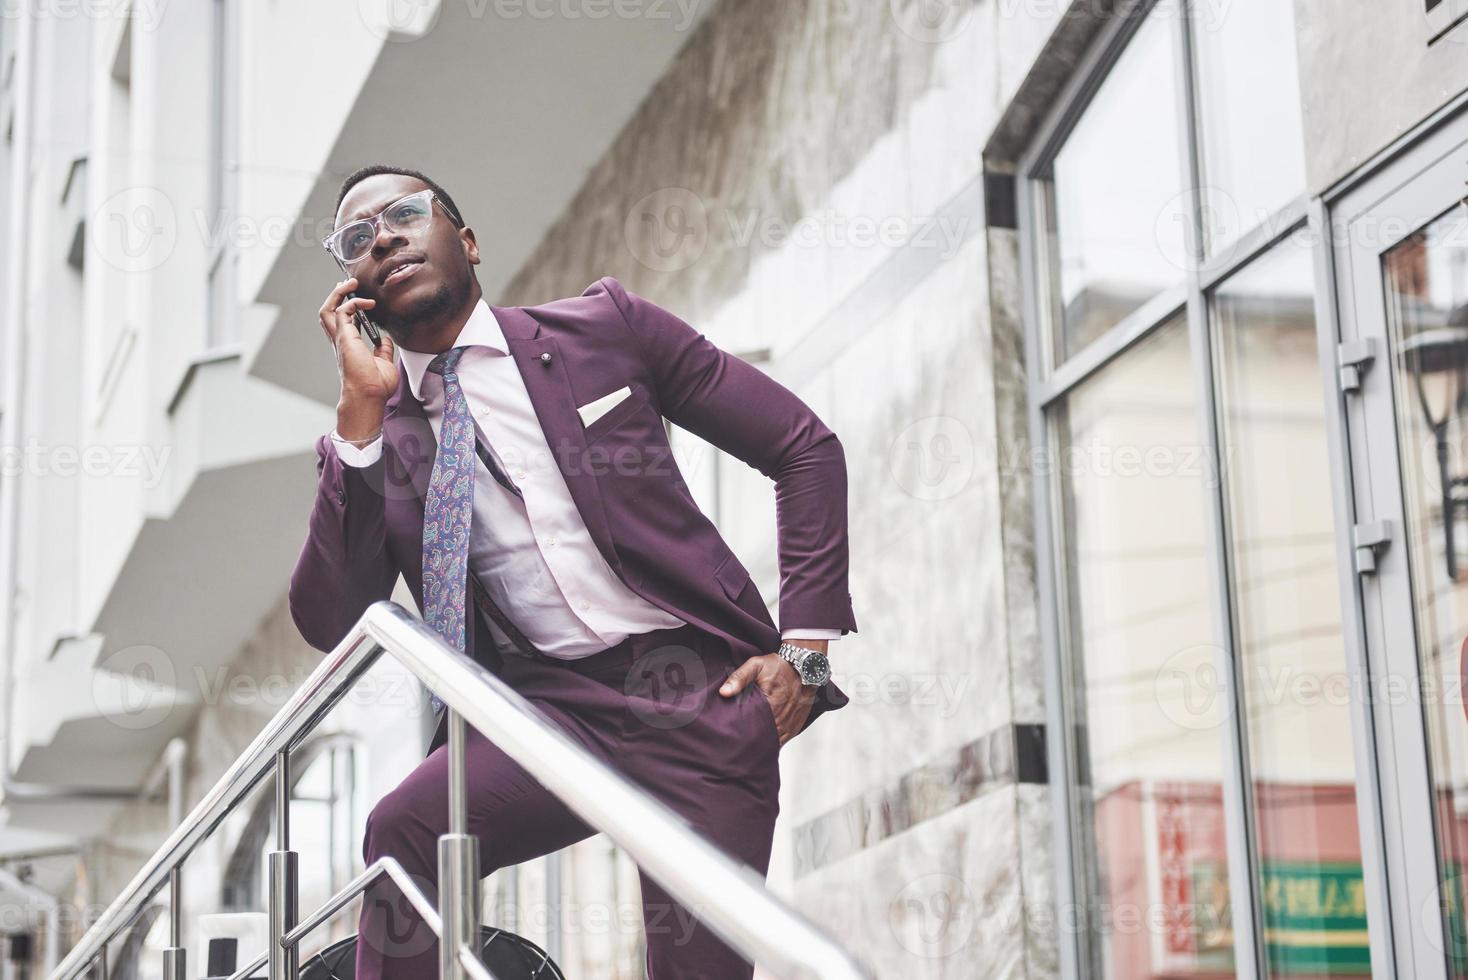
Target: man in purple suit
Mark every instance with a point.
(513, 465)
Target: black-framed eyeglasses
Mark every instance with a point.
(411, 215)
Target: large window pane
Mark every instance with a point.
(1427, 321)
(1286, 606)
(1117, 223)
(1249, 108)
(1143, 654)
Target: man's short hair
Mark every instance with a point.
(357, 176)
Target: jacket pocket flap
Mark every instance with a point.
(731, 576)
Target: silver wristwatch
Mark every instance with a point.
(812, 666)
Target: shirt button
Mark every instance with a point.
(520, 474)
(341, 496)
(584, 605)
(551, 540)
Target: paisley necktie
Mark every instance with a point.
(449, 511)
(448, 515)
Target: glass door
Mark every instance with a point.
(1400, 249)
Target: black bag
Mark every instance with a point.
(507, 955)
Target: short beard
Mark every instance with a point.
(436, 304)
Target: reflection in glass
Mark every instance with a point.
(1249, 110)
(326, 807)
(322, 810)
(1144, 656)
(1286, 607)
(1426, 284)
(1117, 217)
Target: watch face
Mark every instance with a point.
(815, 668)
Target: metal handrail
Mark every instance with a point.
(382, 866)
(726, 895)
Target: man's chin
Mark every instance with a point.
(421, 310)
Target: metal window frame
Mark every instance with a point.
(1370, 827)
(1049, 383)
(1383, 604)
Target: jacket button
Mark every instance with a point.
(341, 496)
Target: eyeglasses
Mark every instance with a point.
(411, 215)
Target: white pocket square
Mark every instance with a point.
(597, 407)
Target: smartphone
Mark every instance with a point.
(364, 322)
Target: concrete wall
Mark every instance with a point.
(1367, 75)
(817, 118)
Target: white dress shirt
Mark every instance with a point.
(535, 557)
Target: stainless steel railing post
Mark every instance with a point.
(553, 924)
(175, 956)
(458, 865)
(283, 960)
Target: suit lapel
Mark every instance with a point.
(550, 393)
(407, 430)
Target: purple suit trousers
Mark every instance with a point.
(650, 707)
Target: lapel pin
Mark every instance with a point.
(545, 358)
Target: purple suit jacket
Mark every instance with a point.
(366, 523)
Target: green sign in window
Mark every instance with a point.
(1314, 915)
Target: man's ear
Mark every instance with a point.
(471, 246)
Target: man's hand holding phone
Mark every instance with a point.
(368, 376)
